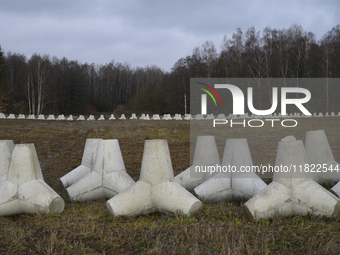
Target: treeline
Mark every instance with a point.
(44, 84)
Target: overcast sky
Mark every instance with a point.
(147, 32)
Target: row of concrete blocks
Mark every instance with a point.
(102, 174)
(165, 116)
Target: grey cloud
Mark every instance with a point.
(147, 32)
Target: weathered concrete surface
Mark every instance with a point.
(206, 154)
(156, 189)
(292, 193)
(87, 163)
(108, 177)
(232, 185)
(24, 190)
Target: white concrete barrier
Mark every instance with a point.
(112, 117)
(206, 154)
(188, 117)
(221, 116)
(178, 117)
(235, 183)
(319, 154)
(81, 117)
(210, 117)
(70, 118)
(199, 117)
(87, 163)
(101, 117)
(61, 117)
(108, 177)
(292, 193)
(142, 117)
(50, 117)
(91, 117)
(156, 189)
(11, 116)
(155, 117)
(6, 148)
(24, 190)
(122, 117)
(21, 117)
(166, 117)
(41, 117)
(133, 116)
(2, 116)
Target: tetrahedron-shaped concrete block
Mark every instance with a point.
(320, 156)
(292, 192)
(133, 116)
(188, 117)
(11, 116)
(24, 190)
(87, 163)
(236, 179)
(156, 189)
(206, 155)
(108, 177)
(122, 117)
(6, 148)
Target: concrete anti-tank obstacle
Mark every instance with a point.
(31, 117)
(147, 117)
(155, 117)
(221, 116)
(11, 116)
(319, 154)
(232, 185)
(41, 117)
(91, 117)
(108, 177)
(292, 193)
(70, 118)
(122, 117)
(142, 116)
(199, 117)
(188, 117)
(87, 163)
(61, 117)
(101, 117)
(206, 154)
(24, 190)
(21, 117)
(178, 116)
(112, 117)
(81, 117)
(133, 117)
(6, 148)
(167, 117)
(210, 117)
(2, 116)
(156, 189)
(51, 117)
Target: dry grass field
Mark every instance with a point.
(87, 228)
